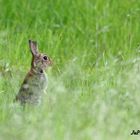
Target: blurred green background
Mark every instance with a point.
(93, 91)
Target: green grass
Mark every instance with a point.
(93, 91)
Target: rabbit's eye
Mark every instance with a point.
(45, 57)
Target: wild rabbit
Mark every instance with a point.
(35, 82)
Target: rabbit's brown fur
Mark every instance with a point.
(35, 81)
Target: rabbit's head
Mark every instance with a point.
(40, 61)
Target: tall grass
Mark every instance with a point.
(93, 88)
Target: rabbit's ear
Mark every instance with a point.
(33, 47)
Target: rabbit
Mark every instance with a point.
(35, 82)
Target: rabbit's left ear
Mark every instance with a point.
(33, 47)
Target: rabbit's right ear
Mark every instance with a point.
(33, 47)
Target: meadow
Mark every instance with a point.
(93, 91)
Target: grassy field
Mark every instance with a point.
(94, 91)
